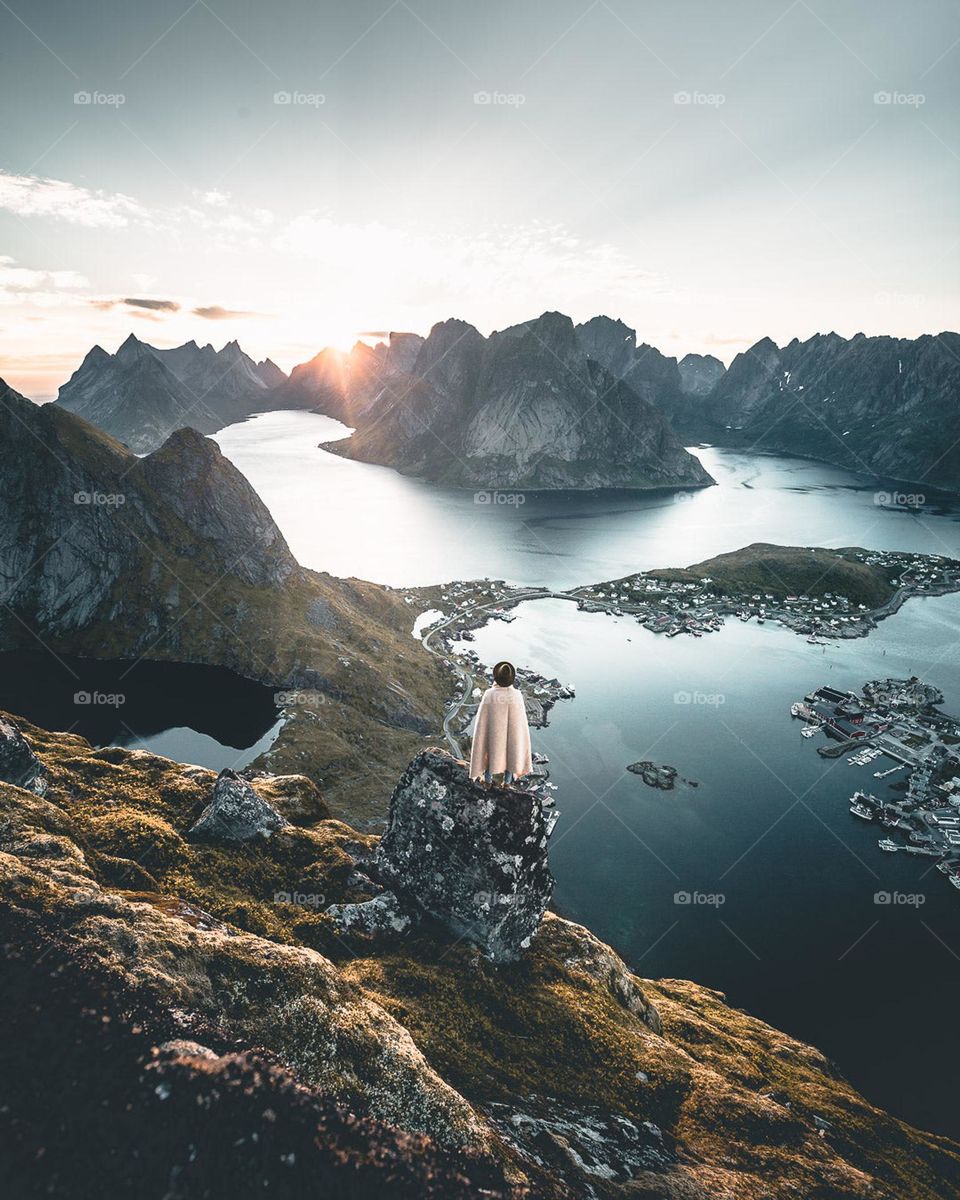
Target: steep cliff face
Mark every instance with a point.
(525, 408)
(675, 389)
(175, 557)
(877, 405)
(700, 374)
(154, 977)
(140, 395)
(83, 516)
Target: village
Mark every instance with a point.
(896, 724)
(696, 607)
(699, 606)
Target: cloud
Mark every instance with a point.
(214, 312)
(425, 268)
(215, 199)
(30, 196)
(24, 279)
(153, 305)
(143, 306)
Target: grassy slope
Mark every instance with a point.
(789, 570)
(557, 1024)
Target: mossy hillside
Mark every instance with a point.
(730, 1089)
(364, 693)
(734, 1098)
(779, 1070)
(789, 571)
(129, 812)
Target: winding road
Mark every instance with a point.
(454, 709)
(469, 679)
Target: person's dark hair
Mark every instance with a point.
(504, 674)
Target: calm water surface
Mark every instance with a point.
(356, 519)
(795, 929)
(194, 714)
(799, 937)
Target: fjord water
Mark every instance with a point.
(352, 518)
(802, 936)
(758, 881)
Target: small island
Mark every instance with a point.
(655, 775)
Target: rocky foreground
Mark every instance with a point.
(191, 1007)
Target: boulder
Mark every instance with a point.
(377, 918)
(235, 813)
(476, 860)
(18, 763)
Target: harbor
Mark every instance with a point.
(897, 721)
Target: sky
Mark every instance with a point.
(299, 173)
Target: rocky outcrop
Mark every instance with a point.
(18, 763)
(876, 405)
(235, 813)
(474, 859)
(591, 1150)
(141, 395)
(525, 408)
(381, 917)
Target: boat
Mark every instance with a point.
(888, 845)
(808, 731)
(862, 811)
(929, 851)
(955, 880)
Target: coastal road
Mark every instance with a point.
(468, 678)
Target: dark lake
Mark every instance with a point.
(202, 715)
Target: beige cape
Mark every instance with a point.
(501, 736)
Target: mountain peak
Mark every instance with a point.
(131, 350)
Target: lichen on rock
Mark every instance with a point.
(235, 813)
(473, 858)
(18, 763)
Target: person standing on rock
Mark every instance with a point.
(501, 735)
